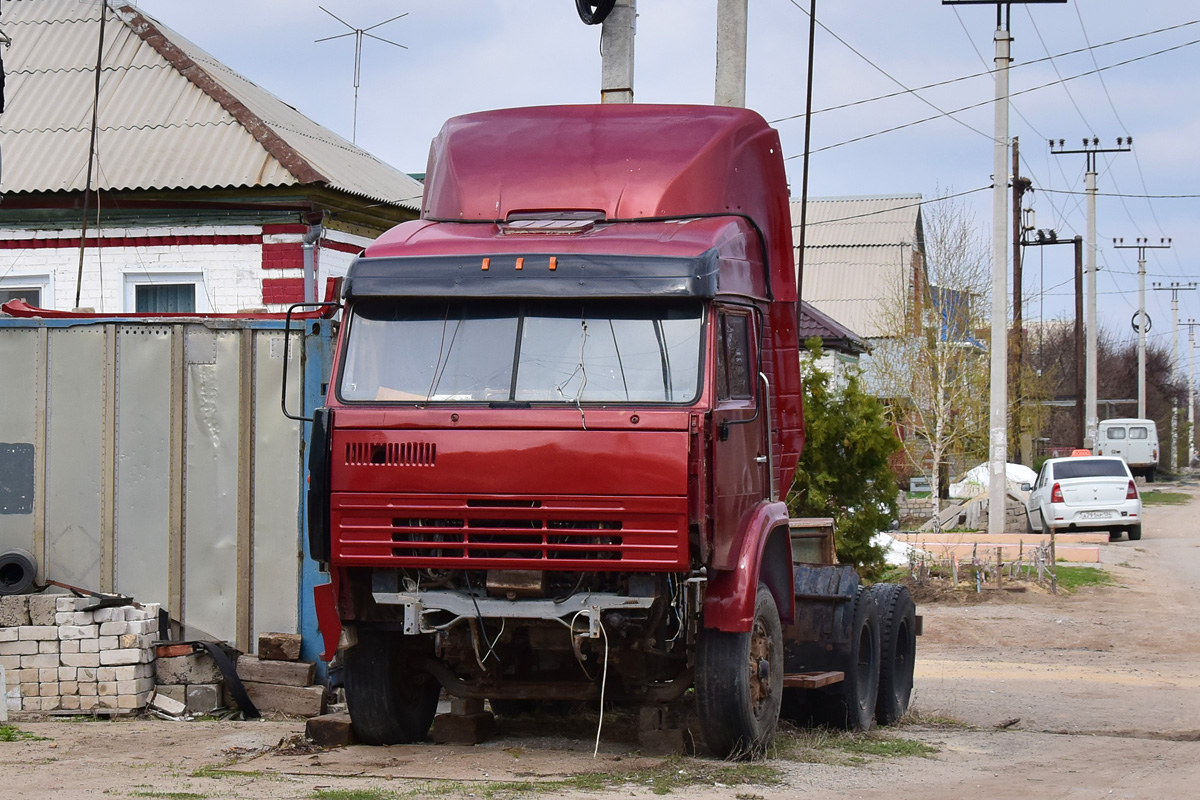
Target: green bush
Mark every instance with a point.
(843, 471)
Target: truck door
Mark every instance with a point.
(739, 456)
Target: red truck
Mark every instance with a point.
(564, 406)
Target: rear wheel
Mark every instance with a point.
(1114, 534)
(1150, 475)
(850, 705)
(1135, 533)
(390, 702)
(739, 683)
(897, 651)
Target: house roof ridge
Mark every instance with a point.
(275, 145)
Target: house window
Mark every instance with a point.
(165, 298)
(165, 293)
(30, 294)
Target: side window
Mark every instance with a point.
(1116, 432)
(735, 366)
(1139, 432)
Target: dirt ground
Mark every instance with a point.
(1023, 695)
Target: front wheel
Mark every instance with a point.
(390, 702)
(739, 683)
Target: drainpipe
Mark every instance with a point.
(310, 273)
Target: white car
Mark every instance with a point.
(1085, 493)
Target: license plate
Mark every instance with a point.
(1093, 515)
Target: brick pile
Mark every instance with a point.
(61, 654)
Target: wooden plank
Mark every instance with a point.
(298, 701)
(279, 646)
(285, 673)
(812, 680)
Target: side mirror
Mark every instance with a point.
(1025, 487)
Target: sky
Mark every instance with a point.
(902, 98)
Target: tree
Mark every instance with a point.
(843, 471)
(932, 368)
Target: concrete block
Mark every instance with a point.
(68, 673)
(108, 642)
(89, 645)
(106, 673)
(39, 661)
(66, 688)
(130, 701)
(196, 668)
(18, 648)
(107, 688)
(80, 659)
(175, 691)
(48, 675)
(38, 633)
(42, 608)
(330, 730)
(71, 702)
(48, 646)
(145, 627)
(102, 615)
(279, 646)
(298, 701)
(71, 646)
(88, 688)
(14, 610)
(86, 674)
(9, 634)
(106, 702)
(113, 628)
(51, 702)
(31, 703)
(286, 673)
(147, 611)
(168, 704)
(464, 728)
(78, 631)
(73, 604)
(24, 676)
(73, 618)
(139, 686)
(48, 689)
(202, 698)
(10, 663)
(31, 689)
(118, 657)
(87, 702)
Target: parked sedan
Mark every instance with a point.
(1085, 493)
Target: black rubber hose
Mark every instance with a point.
(594, 13)
(18, 569)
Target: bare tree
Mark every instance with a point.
(932, 367)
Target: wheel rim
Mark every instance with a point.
(761, 650)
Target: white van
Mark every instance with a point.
(1135, 440)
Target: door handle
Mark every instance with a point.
(761, 460)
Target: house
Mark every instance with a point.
(841, 347)
(204, 186)
(864, 259)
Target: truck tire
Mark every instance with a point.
(1135, 533)
(739, 683)
(897, 650)
(1150, 475)
(388, 702)
(850, 705)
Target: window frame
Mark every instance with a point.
(131, 280)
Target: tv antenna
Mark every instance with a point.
(358, 34)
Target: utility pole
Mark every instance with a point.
(1020, 186)
(1046, 238)
(731, 53)
(1090, 149)
(998, 405)
(1175, 287)
(1142, 323)
(616, 45)
(1191, 324)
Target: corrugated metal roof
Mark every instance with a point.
(159, 128)
(860, 221)
(858, 258)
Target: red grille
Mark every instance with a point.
(391, 454)
(567, 534)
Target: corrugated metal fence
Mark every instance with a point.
(151, 458)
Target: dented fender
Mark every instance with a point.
(763, 553)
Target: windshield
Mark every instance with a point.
(564, 351)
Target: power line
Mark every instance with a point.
(890, 209)
(950, 114)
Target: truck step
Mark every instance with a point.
(812, 680)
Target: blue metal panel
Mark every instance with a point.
(318, 352)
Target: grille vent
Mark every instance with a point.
(391, 454)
